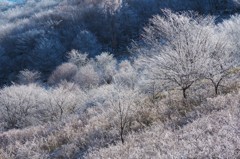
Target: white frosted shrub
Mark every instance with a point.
(99, 96)
(64, 100)
(124, 105)
(27, 76)
(222, 102)
(86, 77)
(63, 72)
(77, 58)
(22, 106)
(232, 31)
(27, 105)
(106, 67)
(126, 75)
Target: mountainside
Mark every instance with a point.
(119, 79)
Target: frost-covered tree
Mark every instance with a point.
(64, 100)
(222, 63)
(87, 77)
(178, 48)
(232, 32)
(124, 103)
(126, 75)
(65, 71)
(22, 106)
(77, 58)
(27, 76)
(105, 65)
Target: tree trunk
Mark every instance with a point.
(121, 135)
(216, 89)
(216, 86)
(184, 93)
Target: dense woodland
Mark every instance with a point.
(119, 79)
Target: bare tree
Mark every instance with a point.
(178, 48)
(222, 63)
(123, 103)
(22, 105)
(64, 100)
